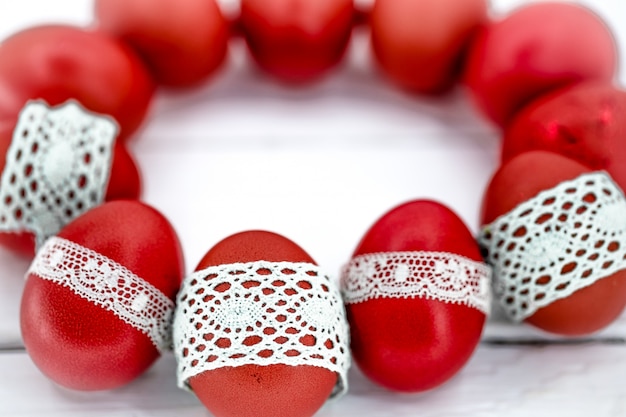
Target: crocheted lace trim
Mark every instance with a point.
(260, 313)
(57, 167)
(434, 275)
(107, 284)
(564, 239)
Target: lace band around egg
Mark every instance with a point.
(261, 313)
(433, 275)
(562, 240)
(57, 167)
(107, 284)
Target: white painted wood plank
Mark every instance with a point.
(498, 381)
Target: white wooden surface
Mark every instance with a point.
(319, 165)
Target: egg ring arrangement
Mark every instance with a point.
(259, 324)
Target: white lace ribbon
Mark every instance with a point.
(261, 313)
(438, 276)
(107, 284)
(57, 167)
(563, 239)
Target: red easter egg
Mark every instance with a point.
(183, 43)
(535, 49)
(584, 122)
(524, 177)
(74, 340)
(123, 181)
(297, 40)
(415, 343)
(276, 390)
(58, 63)
(426, 56)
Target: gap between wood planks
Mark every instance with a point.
(13, 347)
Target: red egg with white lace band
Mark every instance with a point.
(99, 298)
(61, 162)
(271, 334)
(557, 243)
(417, 296)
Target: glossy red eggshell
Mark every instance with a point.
(415, 344)
(297, 40)
(421, 44)
(585, 122)
(253, 390)
(182, 42)
(520, 179)
(536, 49)
(56, 63)
(78, 344)
(124, 178)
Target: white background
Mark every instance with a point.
(319, 164)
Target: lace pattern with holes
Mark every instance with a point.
(261, 313)
(562, 240)
(107, 284)
(57, 167)
(433, 275)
